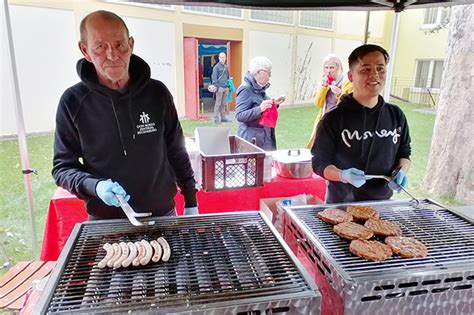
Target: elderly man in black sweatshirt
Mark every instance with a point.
(117, 131)
(363, 135)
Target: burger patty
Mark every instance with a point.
(353, 231)
(383, 227)
(407, 247)
(363, 213)
(334, 216)
(370, 250)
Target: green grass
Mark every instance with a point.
(293, 129)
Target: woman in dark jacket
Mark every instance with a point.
(252, 101)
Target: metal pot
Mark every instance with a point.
(294, 163)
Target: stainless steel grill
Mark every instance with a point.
(441, 283)
(227, 263)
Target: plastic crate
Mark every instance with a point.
(242, 168)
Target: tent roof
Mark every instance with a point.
(397, 5)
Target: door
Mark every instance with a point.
(191, 79)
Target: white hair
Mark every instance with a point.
(260, 63)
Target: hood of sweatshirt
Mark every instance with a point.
(139, 75)
(249, 79)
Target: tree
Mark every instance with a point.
(450, 169)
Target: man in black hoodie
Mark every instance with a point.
(363, 135)
(117, 131)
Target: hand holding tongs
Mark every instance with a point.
(131, 215)
(390, 179)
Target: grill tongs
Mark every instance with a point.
(131, 215)
(390, 178)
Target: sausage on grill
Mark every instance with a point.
(158, 251)
(116, 256)
(166, 248)
(141, 253)
(148, 253)
(131, 256)
(109, 253)
(125, 252)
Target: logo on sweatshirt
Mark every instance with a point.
(348, 136)
(146, 126)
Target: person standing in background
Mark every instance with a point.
(219, 78)
(252, 100)
(332, 85)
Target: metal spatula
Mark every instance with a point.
(132, 215)
(390, 178)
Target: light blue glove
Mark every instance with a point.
(353, 176)
(106, 190)
(401, 179)
(191, 211)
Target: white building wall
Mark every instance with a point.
(46, 55)
(311, 51)
(155, 43)
(277, 47)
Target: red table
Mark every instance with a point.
(65, 209)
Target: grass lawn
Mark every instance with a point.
(293, 130)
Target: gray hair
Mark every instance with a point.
(260, 63)
(334, 59)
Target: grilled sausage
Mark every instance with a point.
(148, 253)
(166, 248)
(117, 254)
(158, 251)
(141, 253)
(109, 253)
(131, 256)
(125, 251)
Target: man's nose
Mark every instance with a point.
(111, 53)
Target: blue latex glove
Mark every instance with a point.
(401, 179)
(352, 176)
(191, 211)
(106, 190)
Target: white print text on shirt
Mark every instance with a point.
(347, 136)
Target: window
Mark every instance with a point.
(435, 16)
(429, 73)
(317, 19)
(222, 11)
(276, 16)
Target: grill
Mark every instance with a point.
(441, 283)
(220, 264)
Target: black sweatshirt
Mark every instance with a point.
(369, 139)
(132, 136)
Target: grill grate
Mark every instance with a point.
(214, 259)
(448, 237)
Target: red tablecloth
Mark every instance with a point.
(65, 210)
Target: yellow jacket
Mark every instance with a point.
(320, 100)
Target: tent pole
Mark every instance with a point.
(25, 163)
(393, 50)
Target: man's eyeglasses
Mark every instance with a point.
(266, 71)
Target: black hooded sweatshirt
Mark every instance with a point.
(132, 136)
(369, 139)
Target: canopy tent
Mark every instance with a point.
(361, 5)
(350, 5)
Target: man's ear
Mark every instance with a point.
(131, 42)
(349, 75)
(83, 49)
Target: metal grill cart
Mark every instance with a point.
(230, 263)
(441, 283)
